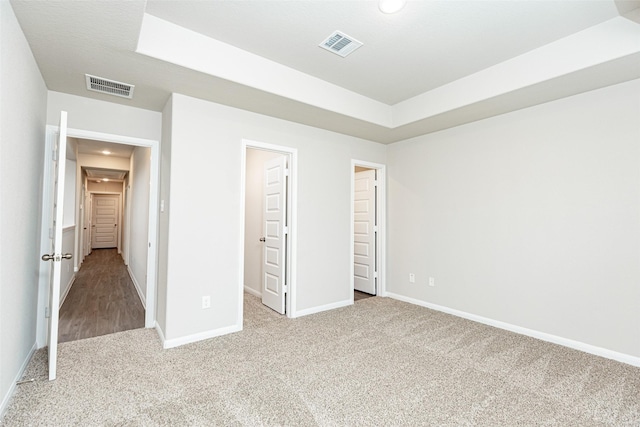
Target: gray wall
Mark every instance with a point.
(203, 234)
(163, 220)
(140, 169)
(23, 102)
(530, 218)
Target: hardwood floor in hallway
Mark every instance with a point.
(102, 300)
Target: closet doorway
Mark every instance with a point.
(367, 229)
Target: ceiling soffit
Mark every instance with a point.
(596, 46)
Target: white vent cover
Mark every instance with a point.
(110, 87)
(340, 44)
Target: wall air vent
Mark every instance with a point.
(340, 44)
(110, 87)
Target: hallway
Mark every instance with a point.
(102, 300)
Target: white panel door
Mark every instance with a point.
(364, 243)
(274, 237)
(105, 210)
(56, 256)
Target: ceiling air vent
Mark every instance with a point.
(110, 87)
(340, 44)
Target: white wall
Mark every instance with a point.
(105, 187)
(23, 98)
(140, 171)
(69, 228)
(105, 162)
(106, 117)
(254, 195)
(69, 207)
(530, 218)
(205, 224)
(67, 273)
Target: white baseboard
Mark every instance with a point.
(576, 345)
(313, 310)
(160, 333)
(138, 289)
(176, 342)
(252, 291)
(7, 397)
(66, 292)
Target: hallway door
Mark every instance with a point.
(105, 213)
(364, 229)
(274, 234)
(55, 233)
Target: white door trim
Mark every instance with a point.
(381, 208)
(154, 145)
(291, 263)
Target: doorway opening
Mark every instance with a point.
(107, 293)
(131, 181)
(367, 230)
(268, 227)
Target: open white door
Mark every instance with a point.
(364, 244)
(274, 232)
(56, 255)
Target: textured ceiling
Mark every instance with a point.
(427, 53)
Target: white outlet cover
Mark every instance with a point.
(206, 302)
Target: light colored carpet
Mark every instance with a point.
(380, 362)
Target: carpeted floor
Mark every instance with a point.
(380, 362)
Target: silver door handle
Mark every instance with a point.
(52, 257)
(262, 239)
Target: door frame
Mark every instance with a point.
(381, 209)
(51, 133)
(292, 188)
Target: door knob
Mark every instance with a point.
(47, 257)
(262, 239)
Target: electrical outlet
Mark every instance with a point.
(206, 302)
(432, 281)
(412, 278)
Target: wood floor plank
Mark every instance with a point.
(102, 300)
(357, 295)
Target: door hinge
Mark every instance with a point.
(286, 230)
(375, 228)
(375, 182)
(285, 289)
(375, 274)
(286, 172)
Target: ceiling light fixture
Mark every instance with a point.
(391, 6)
(106, 152)
(105, 179)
